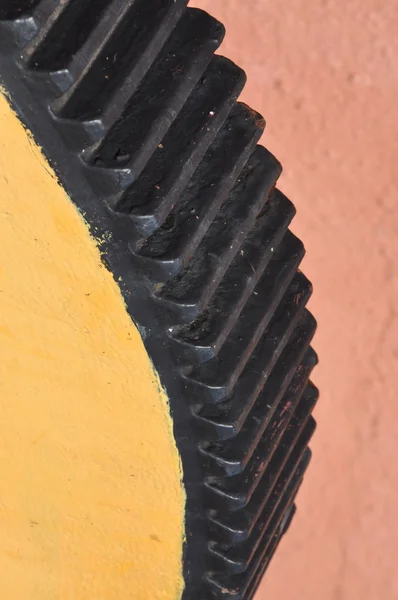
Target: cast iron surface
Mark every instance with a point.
(139, 117)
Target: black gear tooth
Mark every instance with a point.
(279, 285)
(207, 308)
(124, 57)
(15, 9)
(247, 357)
(238, 577)
(218, 224)
(162, 183)
(238, 453)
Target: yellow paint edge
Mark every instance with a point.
(94, 504)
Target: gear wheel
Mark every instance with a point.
(140, 120)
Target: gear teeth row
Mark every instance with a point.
(175, 157)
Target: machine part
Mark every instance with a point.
(139, 120)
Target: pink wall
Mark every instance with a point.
(324, 73)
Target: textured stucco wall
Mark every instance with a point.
(325, 75)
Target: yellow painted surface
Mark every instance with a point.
(91, 499)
